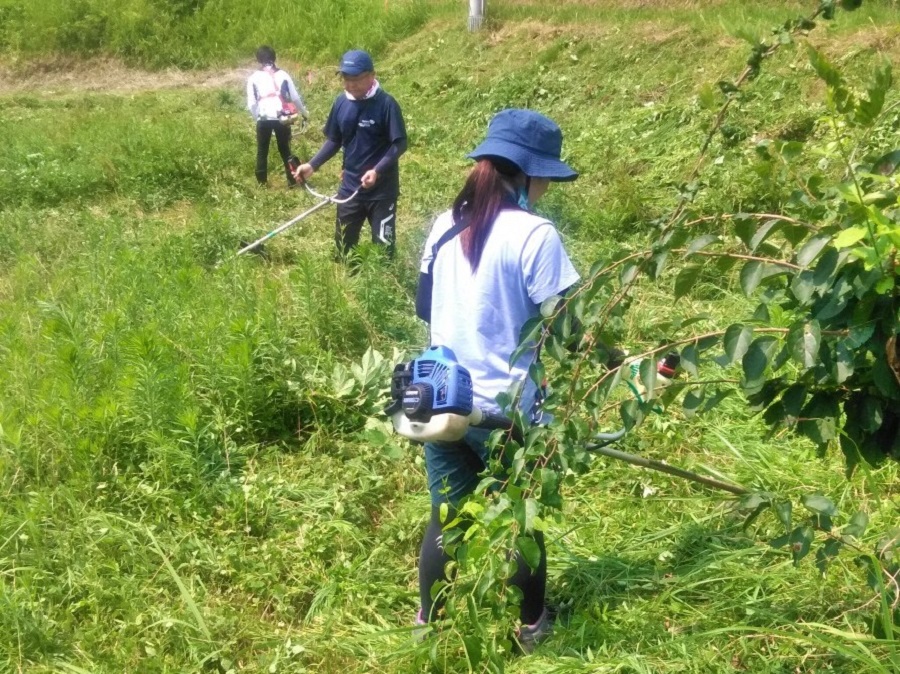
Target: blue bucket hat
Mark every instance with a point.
(356, 62)
(530, 141)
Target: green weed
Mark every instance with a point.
(191, 472)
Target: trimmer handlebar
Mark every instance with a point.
(332, 199)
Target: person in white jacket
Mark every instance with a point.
(268, 89)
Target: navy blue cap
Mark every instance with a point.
(530, 141)
(356, 62)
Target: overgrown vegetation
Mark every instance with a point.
(193, 33)
(192, 476)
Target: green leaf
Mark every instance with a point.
(849, 193)
(681, 324)
(548, 306)
(802, 286)
(811, 249)
(686, 279)
(871, 414)
(819, 418)
(755, 271)
(751, 275)
(849, 236)
(736, 341)
(629, 273)
(555, 348)
(762, 233)
(632, 414)
(537, 373)
(648, 369)
(859, 334)
(550, 487)
(857, 525)
(473, 609)
(887, 164)
(718, 396)
(756, 360)
(754, 500)
(801, 540)
(840, 95)
(819, 504)
(693, 399)
(689, 359)
(474, 646)
(793, 398)
(744, 227)
(884, 378)
(658, 264)
(529, 550)
(752, 517)
(531, 513)
(727, 87)
(838, 299)
(762, 314)
(804, 341)
(790, 150)
(825, 269)
(780, 541)
(532, 329)
(700, 243)
(783, 511)
(829, 550)
(843, 363)
(869, 108)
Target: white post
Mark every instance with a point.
(476, 14)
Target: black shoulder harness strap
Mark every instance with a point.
(445, 237)
(426, 280)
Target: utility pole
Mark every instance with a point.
(476, 14)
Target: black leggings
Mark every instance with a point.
(264, 130)
(433, 559)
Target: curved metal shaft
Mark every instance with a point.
(325, 200)
(600, 447)
(283, 227)
(663, 467)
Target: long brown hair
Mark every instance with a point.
(487, 191)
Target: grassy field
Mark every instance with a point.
(193, 474)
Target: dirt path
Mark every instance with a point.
(112, 77)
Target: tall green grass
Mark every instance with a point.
(194, 33)
(191, 476)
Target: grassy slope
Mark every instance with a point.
(160, 516)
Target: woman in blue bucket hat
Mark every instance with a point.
(489, 263)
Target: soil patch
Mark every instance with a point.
(111, 76)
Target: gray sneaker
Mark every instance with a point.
(422, 629)
(530, 636)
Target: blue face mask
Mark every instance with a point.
(522, 199)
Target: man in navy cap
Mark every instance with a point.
(367, 123)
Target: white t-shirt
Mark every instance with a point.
(263, 88)
(479, 316)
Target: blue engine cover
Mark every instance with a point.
(450, 381)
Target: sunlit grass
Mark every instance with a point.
(189, 484)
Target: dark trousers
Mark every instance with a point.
(433, 563)
(382, 217)
(264, 130)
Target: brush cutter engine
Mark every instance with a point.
(431, 399)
